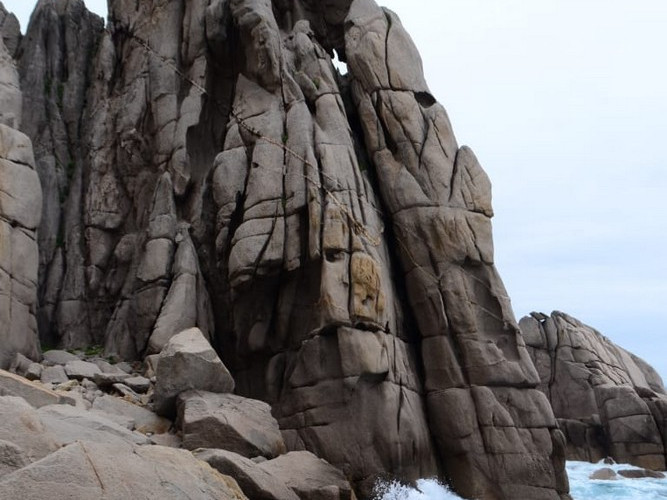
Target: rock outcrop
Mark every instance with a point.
(20, 210)
(608, 401)
(206, 165)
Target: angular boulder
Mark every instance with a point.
(311, 478)
(85, 470)
(34, 393)
(188, 362)
(256, 483)
(24, 435)
(227, 421)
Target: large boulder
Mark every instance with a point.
(256, 482)
(23, 436)
(244, 426)
(69, 424)
(188, 362)
(85, 470)
(311, 478)
(607, 401)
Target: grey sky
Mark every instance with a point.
(565, 104)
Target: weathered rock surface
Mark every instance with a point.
(33, 393)
(227, 421)
(311, 478)
(20, 211)
(188, 362)
(205, 165)
(255, 482)
(608, 402)
(85, 470)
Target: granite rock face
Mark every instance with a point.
(608, 401)
(20, 211)
(206, 165)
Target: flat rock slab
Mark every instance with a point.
(255, 482)
(106, 379)
(54, 375)
(69, 424)
(34, 394)
(227, 421)
(58, 357)
(86, 470)
(145, 421)
(82, 369)
(311, 478)
(188, 362)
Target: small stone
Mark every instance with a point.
(54, 375)
(107, 367)
(34, 371)
(124, 366)
(89, 385)
(106, 379)
(81, 369)
(605, 473)
(58, 357)
(138, 384)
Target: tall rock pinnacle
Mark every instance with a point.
(205, 164)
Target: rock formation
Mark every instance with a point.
(206, 165)
(608, 401)
(20, 210)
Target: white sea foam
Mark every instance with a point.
(581, 488)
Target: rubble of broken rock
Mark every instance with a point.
(75, 423)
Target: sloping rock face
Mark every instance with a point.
(608, 401)
(205, 165)
(20, 210)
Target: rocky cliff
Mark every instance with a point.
(205, 164)
(608, 401)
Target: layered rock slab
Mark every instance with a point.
(608, 401)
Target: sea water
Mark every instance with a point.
(581, 487)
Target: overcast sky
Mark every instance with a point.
(565, 104)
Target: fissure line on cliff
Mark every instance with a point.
(357, 226)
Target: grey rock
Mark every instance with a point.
(640, 473)
(12, 457)
(69, 424)
(145, 421)
(227, 421)
(138, 384)
(85, 470)
(127, 393)
(81, 370)
(605, 474)
(35, 394)
(54, 375)
(309, 477)
(188, 362)
(21, 427)
(255, 482)
(58, 357)
(108, 379)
